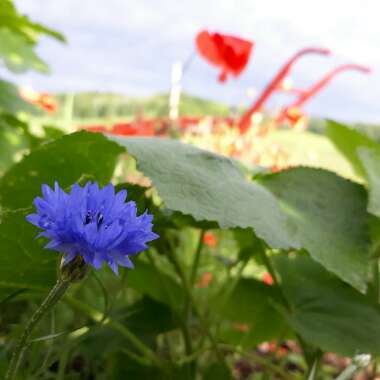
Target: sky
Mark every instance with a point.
(128, 46)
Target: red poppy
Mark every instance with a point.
(274, 85)
(229, 53)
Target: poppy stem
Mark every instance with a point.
(52, 298)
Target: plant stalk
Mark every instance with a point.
(52, 298)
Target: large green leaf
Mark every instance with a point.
(327, 312)
(330, 218)
(24, 264)
(208, 187)
(347, 141)
(370, 158)
(65, 160)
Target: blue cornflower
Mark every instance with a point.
(94, 223)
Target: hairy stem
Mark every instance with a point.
(52, 298)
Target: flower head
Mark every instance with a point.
(92, 222)
(229, 53)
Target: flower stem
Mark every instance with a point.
(52, 298)
(97, 316)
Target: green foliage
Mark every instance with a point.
(347, 141)
(321, 206)
(191, 306)
(370, 159)
(72, 158)
(208, 187)
(250, 315)
(152, 281)
(327, 312)
(18, 38)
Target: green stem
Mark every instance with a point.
(173, 259)
(196, 258)
(376, 280)
(183, 324)
(52, 298)
(269, 266)
(97, 316)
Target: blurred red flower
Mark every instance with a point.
(42, 100)
(204, 281)
(210, 240)
(267, 279)
(229, 53)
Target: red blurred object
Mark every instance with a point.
(134, 128)
(274, 84)
(188, 121)
(204, 281)
(267, 279)
(210, 240)
(319, 86)
(229, 53)
(42, 100)
(294, 116)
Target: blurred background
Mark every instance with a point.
(128, 48)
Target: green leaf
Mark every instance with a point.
(327, 312)
(347, 141)
(24, 264)
(208, 187)
(21, 25)
(251, 306)
(10, 100)
(330, 219)
(156, 284)
(146, 318)
(66, 160)
(370, 158)
(18, 53)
